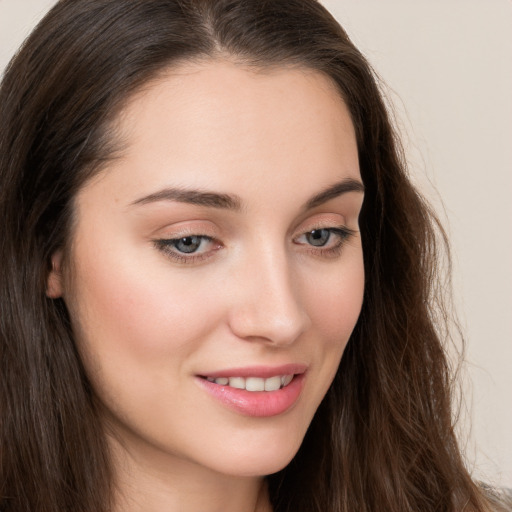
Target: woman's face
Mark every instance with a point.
(221, 251)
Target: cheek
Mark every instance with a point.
(131, 313)
(335, 303)
(334, 307)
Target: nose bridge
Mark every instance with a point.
(268, 304)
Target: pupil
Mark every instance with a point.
(188, 244)
(318, 237)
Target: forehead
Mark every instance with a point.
(218, 124)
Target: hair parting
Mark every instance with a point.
(383, 438)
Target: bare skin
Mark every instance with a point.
(164, 289)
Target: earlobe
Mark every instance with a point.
(54, 286)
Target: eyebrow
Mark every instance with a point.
(233, 202)
(191, 196)
(336, 190)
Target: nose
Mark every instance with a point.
(266, 305)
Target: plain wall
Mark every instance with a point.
(448, 68)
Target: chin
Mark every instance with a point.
(260, 459)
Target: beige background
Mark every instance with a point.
(448, 68)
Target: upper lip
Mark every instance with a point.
(263, 372)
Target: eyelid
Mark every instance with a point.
(343, 233)
(185, 228)
(165, 245)
(337, 229)
(322, 219)
(166, 237)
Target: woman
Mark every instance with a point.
(199, 309)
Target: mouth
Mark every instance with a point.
(273, 383)
(256, 391)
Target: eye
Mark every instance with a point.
(188, 244)
(188, 249)
(318, 237)
(325, 241)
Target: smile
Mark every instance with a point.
(253, 383)
(256, 391)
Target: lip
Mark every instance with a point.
(263, 372)
(257, 403)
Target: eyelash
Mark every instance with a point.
(343, 234)
(168, 245)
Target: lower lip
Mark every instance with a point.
(256, 403)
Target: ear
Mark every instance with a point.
(54, 285)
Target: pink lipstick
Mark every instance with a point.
(256, 391)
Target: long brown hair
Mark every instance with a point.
(383, 437)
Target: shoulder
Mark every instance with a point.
(500, 497)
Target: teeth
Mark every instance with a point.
(273, 384)
(254, 383)
(286, 380)
(236, 382)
